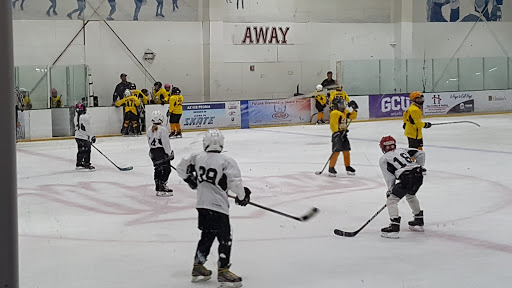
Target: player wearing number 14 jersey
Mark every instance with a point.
(398, 164)
(214, 174)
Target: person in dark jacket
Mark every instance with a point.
(120, 88)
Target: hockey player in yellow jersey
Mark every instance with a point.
(320, 103)
(141, 109)
(55, 99)
(159, 94)
(131, 119)
(175, 111)
(412, 121)
(340, 143)
(339, 93)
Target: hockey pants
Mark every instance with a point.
(213, 225)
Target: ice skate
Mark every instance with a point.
(162, 190)
(332, 172)
(417, 224)
(227, 278)
(200, 273)
(392, 230)
(172, 134)
(423, 171)
(178, 134)
(350, 170)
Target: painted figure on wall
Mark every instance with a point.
(138, 5)
(21, 5)
(159, 8)
(175, 5)
(484, 10)
(53, 6)
(112, 4)
(238, 2)
(80, 9)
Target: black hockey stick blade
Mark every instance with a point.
(353, 234)
(344, 233)
(310, 214)
(125, 168)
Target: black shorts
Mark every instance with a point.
(175, 118)
(415, 143)
(210, 220)
(319, 107)
(410, 183)
(130, 116)
(339, 142)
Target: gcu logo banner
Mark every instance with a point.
(392, 105)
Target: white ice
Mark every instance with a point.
(108, 229)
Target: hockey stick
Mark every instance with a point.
(343, 134)
(352, 234)
(120, 168)
(456, 122)
(312, 212)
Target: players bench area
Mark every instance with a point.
(57, 123)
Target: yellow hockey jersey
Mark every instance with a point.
(338, 119)
(27, 103)
(56, 102)
(140, 96)
(413, 123)
(320, 98)
(339, 94)
(130, 104)
(159, 96)
(175, 102)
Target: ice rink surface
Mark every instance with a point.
(108, 229)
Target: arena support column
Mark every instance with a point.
(8, 192)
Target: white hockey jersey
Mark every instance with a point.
(394, 163)
(217, 174)
(159, 138)
(82, 127)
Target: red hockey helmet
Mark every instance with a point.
(387, 143)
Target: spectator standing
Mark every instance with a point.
(120, 88)
(80, 10)
(112, 4)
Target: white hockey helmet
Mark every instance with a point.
(157, 117)
(127, 93)
(319, 87)
(213, 141)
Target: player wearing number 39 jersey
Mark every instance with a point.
(161, 153)
(214, 174)
(398, 164)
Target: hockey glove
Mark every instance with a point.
(93, 139)
(353, 104)
(246, 199)
(191, 181)
(171, 157)
(388, 193)
(427, 125)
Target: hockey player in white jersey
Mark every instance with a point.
(214, 174)
(161, 153)
(83, 138)
(398, 164)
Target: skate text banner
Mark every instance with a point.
(211, 115)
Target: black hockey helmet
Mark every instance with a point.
(339, 104)
(175, 91)
(133, 86)
(158, 84)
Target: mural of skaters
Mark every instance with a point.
(123, 10)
